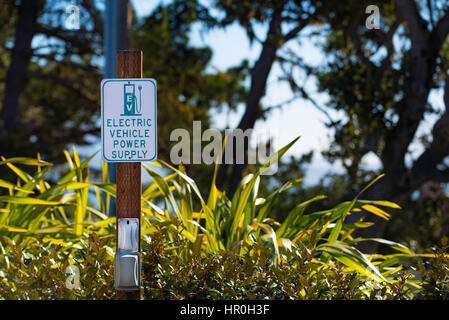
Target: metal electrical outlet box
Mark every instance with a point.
(128, 234)
(127, 258)
(127, 271)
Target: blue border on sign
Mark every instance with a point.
(103, 82)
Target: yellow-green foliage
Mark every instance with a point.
(214, 229)
(38, 272)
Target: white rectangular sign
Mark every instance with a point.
(129, 120)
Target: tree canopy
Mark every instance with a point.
(383, 81)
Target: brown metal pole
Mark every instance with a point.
(128, 174)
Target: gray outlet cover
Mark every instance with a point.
(128, 234)
(127, 271)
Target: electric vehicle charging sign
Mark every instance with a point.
(129, 120)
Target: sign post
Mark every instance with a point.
(128, 135)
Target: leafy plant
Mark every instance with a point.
(237, 233)
(39, 270)
(435, 277)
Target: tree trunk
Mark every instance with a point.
(20, 58)
(259, 76)
(400, 181)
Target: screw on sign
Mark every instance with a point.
(128, 136)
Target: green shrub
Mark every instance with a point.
(193, 248)
(228, 275)
(34, 274)
(435, 274)
(38, 270)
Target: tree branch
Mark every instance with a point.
(425, 167)
(82, 44)
(421, 65)
(68, 63)
(259, 76)
(73, 85)
(294, 32)
(355, 37)
(20, 59)
(442, 176)
(442, 28)
(417, 25)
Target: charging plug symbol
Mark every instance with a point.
(130, 106)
